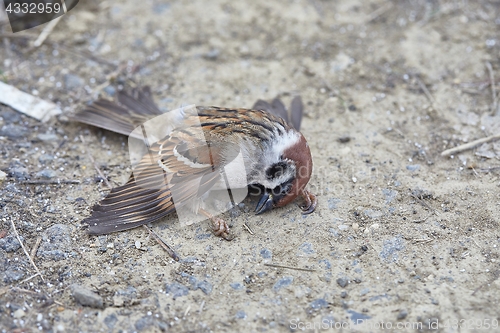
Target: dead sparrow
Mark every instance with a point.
(191, 162)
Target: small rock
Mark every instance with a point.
(19, 313)
(10, 243)
(318, 304)
(205, 286)
(283, 282)
(241, 314)
(343, 294)
(57, 243)
(10, 116)
(342, 282)
(402, 314)
(212, 54)
(19, 173)
(266, 253)
(143, 323)
(86, 297)
(3, 175)
(414, 167)
(72, 81)
(47, 174)
(111, 321)
(110, 90)
(306, 248)
(13, 131)
(343, 227)
(236, 286)
(355, 226)
(44, 158)
(177, 290)
(137, 244)
(47, 137)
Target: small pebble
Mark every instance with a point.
(19, 313)
(137, 244)
(342, 282)
(355, 226)
(86, 297)
(402, 314)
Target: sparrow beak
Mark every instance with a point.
(265, 203)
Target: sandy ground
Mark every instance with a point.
(401, 236)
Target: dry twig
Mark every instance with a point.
(290, 267)
(469, 145)
(492, 85)
(25, 251)
(163, 244)
(46, 32)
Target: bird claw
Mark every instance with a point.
(311, 202)
(221, 228)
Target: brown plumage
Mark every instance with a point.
(194, 157)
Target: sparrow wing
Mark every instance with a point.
(297, 112)
(179, 168)
(132, 108)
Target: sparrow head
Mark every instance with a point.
(286, 178)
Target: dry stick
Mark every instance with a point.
(379, 11)
(95, 165)
(470, 145)
(46, 32)
(425, 90)
(25, 251)
(290, 267)
(492, 84)
(35, 248)
(163, 244)
(422, 202)
(248, 229)
(51, 182)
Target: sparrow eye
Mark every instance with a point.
(276, 170)
(282, 190)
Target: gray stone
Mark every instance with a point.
(13, 131)
(19, 173)
(283, 282)
(111, 321)
(318, 304)
(45, 158)
(342, 282)
(143, 323)
(86, 297)
(57, 243)
(414, 167)
(266, 253)
(391, 248)
(306, 248)
(47, 174)
(176, 290)
(241, 314)
(10, 116)
(46, 137)
(13, 274)
(72, 81)
(10, 243)
(402, 314)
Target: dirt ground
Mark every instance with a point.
(402, 236)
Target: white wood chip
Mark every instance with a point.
(27, 104)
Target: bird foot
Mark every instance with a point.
(219, 226)
(310, 202)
